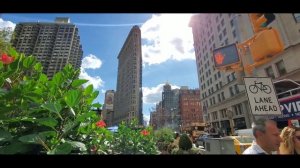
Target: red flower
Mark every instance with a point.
(145, 132)
(101, 124)
(6, 59)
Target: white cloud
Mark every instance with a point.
(152, 95)
(91, 62)
(4, 24)
(95, 80)
(167, 36)
(146, 119)
(103, 91)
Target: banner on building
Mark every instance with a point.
(109, 99)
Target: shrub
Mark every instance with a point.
(185, 142)
(38, 115)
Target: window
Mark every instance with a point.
(224, 32)
(233, 75)
(223, 97)
(220, 37)
(236, 89)
(238, 109)
(231, 91)
(226, 41)
(297, 17)
(219, 97)
(228, 79)
(281, 68)
(234, 34)
(269, 72)
(231, 23)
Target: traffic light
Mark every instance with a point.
(226, 56)
(270, 18)
(260, 21)
(266, 44)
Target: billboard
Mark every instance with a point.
(226, 56)
(290, 108)
(109, 99)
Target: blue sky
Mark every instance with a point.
(167, 49)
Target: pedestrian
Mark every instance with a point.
(267, 137)
(290, 141)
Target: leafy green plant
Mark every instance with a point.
(185, 142)
(164, 138)
(132, 139)
(42, 116)
(39, 115)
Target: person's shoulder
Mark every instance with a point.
(249, 151)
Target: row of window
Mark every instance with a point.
(237, 109)
(279, 67)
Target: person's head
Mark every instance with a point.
(296, 138)
(266, 134)
(290, 140)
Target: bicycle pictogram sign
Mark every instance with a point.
(259, 86)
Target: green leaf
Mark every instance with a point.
(95, 94)
(2, 91)
(43, 78)
(29, 61)
(53, 107)
(38, 67)
(78, 82)
(57, 79)
(88, 90)
(5, 136)
(72, 98)
(98, 105)
(64, 148)
(28, 119)
(13, 52)
(31, 138)
(79, 145)
(46, 134)
(50, 122)
(84, 116)
(15, 147)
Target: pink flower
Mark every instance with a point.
(101, 124)
(6, 59)
(145, 132)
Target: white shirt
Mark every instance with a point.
(254, 149)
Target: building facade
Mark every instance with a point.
(170, 106)
(284, 66)
(220, 90)
(223, 94)
(179, 108)
(190, 108)
(128, 98)
(54, 44)
(108, 108)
